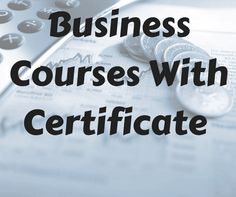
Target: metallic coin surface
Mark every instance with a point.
(149, 44)
(133, 46)
(212, 101)
(176, 49)
(163, 45)
(193, 55)
(204, 64)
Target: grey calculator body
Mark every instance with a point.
(25, 30)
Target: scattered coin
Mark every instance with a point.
(193, 55)
(204, 64)
(210, 101)
(163, 45)
(133, 46)
(149, 44)
(176, 49)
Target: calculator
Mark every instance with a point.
(25, 30)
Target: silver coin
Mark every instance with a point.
(204, 64)
(193, 55)
(163, 45)
(176, 49)
(133, 46)
(212, 101)
(149, 44)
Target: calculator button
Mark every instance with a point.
(19, 4)
(1, 58)
(46, 12)
(5, 16)
(30, 26)
(65, 4)
(11, 41)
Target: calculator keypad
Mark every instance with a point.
(19, 4)
(66, 4)
(5, 16)
(25, 30)
(14, 40)
(30, 26)
(46, 12)
(11, 41)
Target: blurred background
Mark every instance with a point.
(129, 165)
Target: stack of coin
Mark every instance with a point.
(208, 101)
(133, 46)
